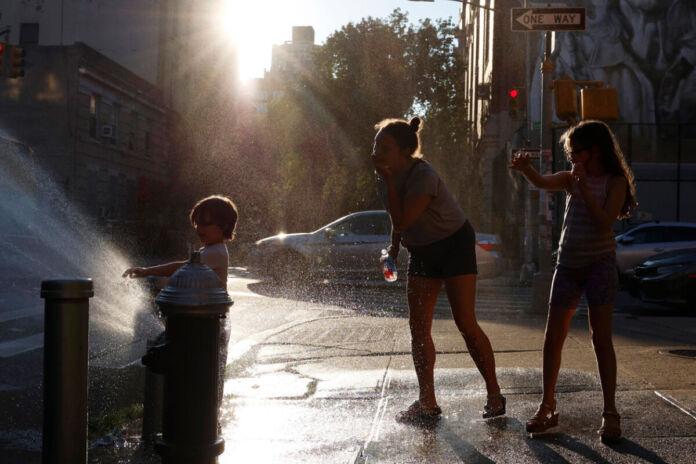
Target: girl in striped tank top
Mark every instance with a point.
(599, 189)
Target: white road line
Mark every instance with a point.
(21, 345)
(676, 404)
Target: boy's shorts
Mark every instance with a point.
(599, 281)
(449, 257)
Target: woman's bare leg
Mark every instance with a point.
(461, 292)
(422, 293)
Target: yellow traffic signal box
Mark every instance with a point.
(565, 97)
(599, 103)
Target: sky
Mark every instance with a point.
(255, 25)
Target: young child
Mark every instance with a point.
(599, 189)
(215, 219)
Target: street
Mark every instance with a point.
(316, 374)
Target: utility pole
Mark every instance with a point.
(538, 214)
(542, 278)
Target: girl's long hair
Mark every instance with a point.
(590, 133)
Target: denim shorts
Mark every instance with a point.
(599, 281)
(449, 257)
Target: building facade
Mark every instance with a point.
(98, 131)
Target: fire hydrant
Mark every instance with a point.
(191, 361)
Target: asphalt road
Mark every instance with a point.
(317, 372)
(323, 369)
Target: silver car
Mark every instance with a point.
(348, 248)
(646, 240)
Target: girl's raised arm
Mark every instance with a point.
(551, 182)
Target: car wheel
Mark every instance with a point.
(288, 266)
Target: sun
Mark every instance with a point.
(253, 27)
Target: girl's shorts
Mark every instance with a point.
(599, 281)
(449, 257)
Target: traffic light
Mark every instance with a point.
(513, 103)
(599, 103)
(16, 58)
(565, 97)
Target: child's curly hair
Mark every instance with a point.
(218, 210)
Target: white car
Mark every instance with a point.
(646, 240)
(349, 248)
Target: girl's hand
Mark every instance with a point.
(519, 161)
(579, 174)
(382, 168)
(135, 272)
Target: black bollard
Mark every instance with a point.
(194, 305)
(65, 370)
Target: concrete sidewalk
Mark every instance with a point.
(327, 391)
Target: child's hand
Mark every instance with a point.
(579, 173)
(135, 272)
(519, 161)
(382, 169)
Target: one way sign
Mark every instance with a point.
(547, 19)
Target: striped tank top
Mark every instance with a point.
(582, 243)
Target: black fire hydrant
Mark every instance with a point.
(192, 361)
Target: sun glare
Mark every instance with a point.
(254, 27)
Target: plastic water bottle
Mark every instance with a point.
(388, 266)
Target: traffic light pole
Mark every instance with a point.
(542, 278)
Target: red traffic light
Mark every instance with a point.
(513, 93)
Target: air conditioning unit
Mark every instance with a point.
(108, 131)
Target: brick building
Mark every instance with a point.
(96, 128)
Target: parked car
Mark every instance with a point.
(668, 278)
(348, 247)
(646, 240)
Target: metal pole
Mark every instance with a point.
(65, 370)
(542, 279)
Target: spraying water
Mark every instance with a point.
(44, 236)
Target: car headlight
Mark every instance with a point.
(671, 269)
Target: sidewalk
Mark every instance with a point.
(327, 391)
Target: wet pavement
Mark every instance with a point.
(317, 373)
(327, 388)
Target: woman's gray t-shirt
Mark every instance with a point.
(441, 218)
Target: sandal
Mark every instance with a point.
(545, 418)
(610, 431)
(490, 411)
(419, 415)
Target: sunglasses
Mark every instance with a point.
(578, 151)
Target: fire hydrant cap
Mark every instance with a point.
(194, 288)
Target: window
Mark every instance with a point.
(132, 128)
(148, 138)
(682, 234)
(28, 33)
(648, 235)
(93, 116)
(115, 114)
(365, 225)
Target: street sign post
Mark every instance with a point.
(547, 19)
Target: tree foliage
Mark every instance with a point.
(306, 161)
